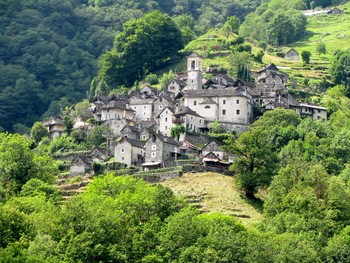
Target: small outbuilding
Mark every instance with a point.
(292, 54)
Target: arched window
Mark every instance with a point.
(207, 107)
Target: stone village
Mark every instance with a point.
(141, 122)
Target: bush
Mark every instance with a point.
(263, 45)
(306, 55)
(238, 41)
(244, 47)
(259, 55)
(270, 50)
(152, 79)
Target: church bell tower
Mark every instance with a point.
(194, 72)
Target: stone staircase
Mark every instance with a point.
(71, 186)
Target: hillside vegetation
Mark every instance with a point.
(332, 30)
(215, 193)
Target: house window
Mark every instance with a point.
(237, 101)
(134, 107)
(200, 121)
(145, 107)
(237, 112)
(207, 107)
(224, 102)
(122, 150)
(223, 112)
(122, 158)
(166, 127)
(166, 119)
(144, 113)
(154, 147)
(194, 103)
(319, 111)
(153, 154)
(143, 137)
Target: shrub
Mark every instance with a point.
(152, 79)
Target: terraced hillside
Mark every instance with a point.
(213, 192)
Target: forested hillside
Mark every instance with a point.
(49, 49)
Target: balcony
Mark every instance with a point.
(178, 120)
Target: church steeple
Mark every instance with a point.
(194, 72)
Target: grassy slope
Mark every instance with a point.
(334, 30)
(220, 195)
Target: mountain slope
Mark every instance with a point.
(215, 192)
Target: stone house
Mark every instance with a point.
(215, 148)
(99, 154)
(175, 86)
(149, 92)
(115, 110)
(313, 111)
(232, 106)
(80, 124)
(292, 54)
(116, 125)
(81, 164)
(160, 151)
(129, 151)
(55, 126)
(130, 131)
(161, 102)
(146, 133)
(335, 11)
(190, 119)
(143, 108)
(212, 160)
(270, 74)
(166, 121)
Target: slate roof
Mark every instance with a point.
(183, 110)
(172, 109)
(133, 142)
(139, 101)
(85, 158)
(102, 150)
(132, 128)
(194, 55)
(54, 120)
(168, 140)
(116, 105)
(228, 92)
(180, 82)
(292, 50)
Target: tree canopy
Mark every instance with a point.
(340, 68)
(277, 23)
(143, 45)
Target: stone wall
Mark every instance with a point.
(158, 177)
(203, 169)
